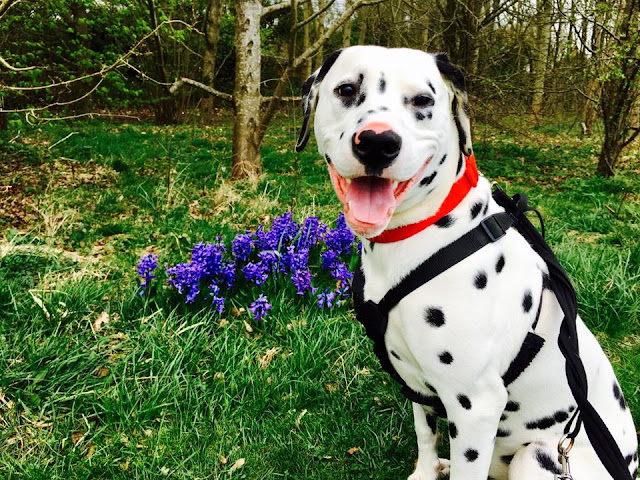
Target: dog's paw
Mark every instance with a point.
(440, 471)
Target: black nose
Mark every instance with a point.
(376, 151)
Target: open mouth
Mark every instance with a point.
(369, 201)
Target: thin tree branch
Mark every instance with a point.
(180, 83)
(5, 5)
(298, 26)
(31, 116)
(6, 64)
(275, 8)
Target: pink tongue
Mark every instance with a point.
(370, 199)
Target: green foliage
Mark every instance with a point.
(158, 391)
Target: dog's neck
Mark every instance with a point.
(385, 264)
(458, 191)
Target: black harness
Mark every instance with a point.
(374, 317)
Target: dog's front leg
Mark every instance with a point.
(426, 425)
(473, 426)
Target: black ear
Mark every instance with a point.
(450, 72)
(310, 98)
(454, 78)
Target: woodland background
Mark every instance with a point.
(575, 60)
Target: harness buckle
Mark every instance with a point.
(492, 227)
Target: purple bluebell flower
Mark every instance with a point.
(340, 239)
(325, 299)
(217, 301)
(269, 258)
(285, 228)
(242, 246)
(301, 279)
(329, 259)
(146, 267)
(260, 308)
(185, 277)
(255, 272)
(208, 257)
(342, 273)
(310, 232)
(228, 274)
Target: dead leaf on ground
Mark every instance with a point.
(247, 327)
(239, 464)
(265, 360)
(102, 320)
(102, 372)
(223, 460)
(353, 450)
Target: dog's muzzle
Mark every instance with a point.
(376, 146)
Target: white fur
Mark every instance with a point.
(484, 327)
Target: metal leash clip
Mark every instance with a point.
(563, 458)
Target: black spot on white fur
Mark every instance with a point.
(475, 209)
(395, 355)
(327, 158)
(546, 462)
(512, 406)
(445, 221)
(431, 87)
(459, 167)
(427, 180)
(500, 263)
(503, 433)
(547, 422)
(527, 301)
(382, 84)
(446, 358)
(453, 430)
(617, 393)
(464, 402)
(371, 245)
(432, 421)
(471, 455)
(444, 157)
(420, 116)
(480, 280)
(434, 317)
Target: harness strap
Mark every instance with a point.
(599, 435)
(490, 230)
(374, 316)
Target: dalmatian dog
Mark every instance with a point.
(392, 127)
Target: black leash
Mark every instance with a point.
(599, 435)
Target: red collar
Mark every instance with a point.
(458, 191)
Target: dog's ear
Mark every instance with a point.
(454, 78)
(310, 98)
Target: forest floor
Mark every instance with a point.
(99, 382)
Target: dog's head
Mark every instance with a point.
(392, 127)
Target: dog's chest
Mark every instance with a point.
(468, 320)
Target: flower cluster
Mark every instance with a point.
(311, 256)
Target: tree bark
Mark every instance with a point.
(166, 111)
(346, 27)
(212, 37)
(246, 93)
(543, 37)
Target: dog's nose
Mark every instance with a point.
(376, 145)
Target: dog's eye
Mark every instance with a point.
(422, 101)
(346, 90)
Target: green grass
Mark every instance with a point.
(162, 390)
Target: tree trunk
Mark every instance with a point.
(306, 35)
(166, 111)
(543, 37)
(346, 27)
(246, 93)
(319, 33)
(589, 108)
(212, 36)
